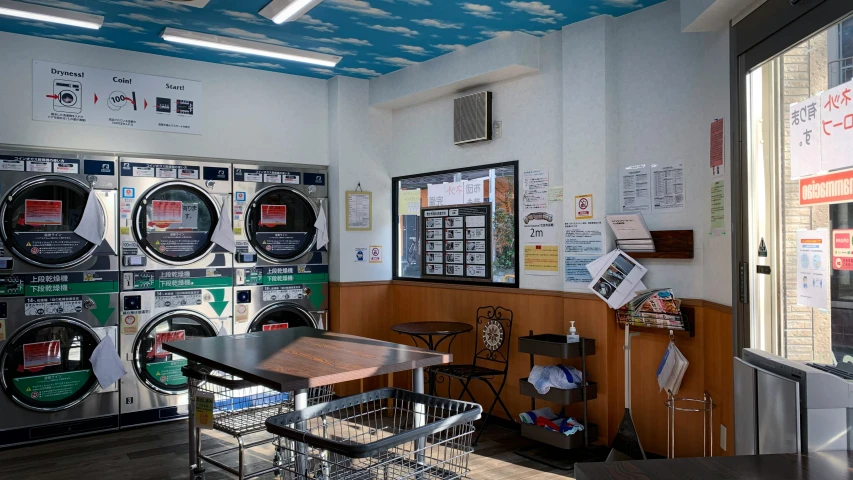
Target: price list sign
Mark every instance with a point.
(457, 243)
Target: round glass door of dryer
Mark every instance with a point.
(45, 365)
(158, 369)
(280, 224)
(39, 219)
(174, 223)
(282, 316)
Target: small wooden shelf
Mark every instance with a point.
(677, 244)
(555, 346)
(557, 439)
(559, 395)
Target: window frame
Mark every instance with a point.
(395, 273)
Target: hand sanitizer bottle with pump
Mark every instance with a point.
(573, 336)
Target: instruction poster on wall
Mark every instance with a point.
(541, 259)
(359, 209)
(813, 268)
(668, 188)
(718, 208)
(78, 95)
(457, 243)
(635, 189)
(718, 148)
(583, 242)
(409, 202)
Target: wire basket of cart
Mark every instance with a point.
(240, 409)
(383, 434)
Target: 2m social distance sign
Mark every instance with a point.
(92, 96)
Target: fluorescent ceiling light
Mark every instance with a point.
(280, 11)
(238, 45)
(49, 14)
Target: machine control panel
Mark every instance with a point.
(134, 261)
(133, 302)
(244, 296)
(243, 257)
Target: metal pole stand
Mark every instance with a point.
(705, 405)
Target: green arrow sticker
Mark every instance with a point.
(317, 296)
(219, 303)
(102, 310)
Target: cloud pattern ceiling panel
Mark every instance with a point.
(375, 37)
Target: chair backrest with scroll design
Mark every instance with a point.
(494, 330)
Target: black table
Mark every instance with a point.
(296, 359)
(426, 331)
(811, 466)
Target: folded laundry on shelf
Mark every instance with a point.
(546, 418)
(530, 417)
(556, 376)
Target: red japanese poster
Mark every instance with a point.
(166, 337)
(717, 144)
(836, 187)
(166, 212)
(277, 326)
(43, 212)
(842, 249)
(272, 215)
(836, 120)
(42, 354)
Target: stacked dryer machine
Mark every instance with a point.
(59, 284)
(176, 277)
(281, 277)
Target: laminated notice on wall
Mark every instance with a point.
(166, 212)
(43, 212)
(457, 242)
(42, 354)
(668, 188)
(273, 215)
(166, 337)
(635, 189)
(541, 259)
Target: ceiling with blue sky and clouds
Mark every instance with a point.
(375, 37)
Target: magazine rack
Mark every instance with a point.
(683, 323)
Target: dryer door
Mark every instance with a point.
(45, 365)
(280, 224)
(284, 315)
(39, 219)
(174, 222)
(158, 369)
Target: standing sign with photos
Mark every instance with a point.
(457, 243)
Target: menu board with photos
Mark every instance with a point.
(457, 242)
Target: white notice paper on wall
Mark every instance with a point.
(635, 189)
(805, 137)
(536, 179)
(813, 268)
(668, 188)
(836, 127)
(473, 190)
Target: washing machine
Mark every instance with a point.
(281, 277)
(49, 388)
(57, 215)
(172, 214)
(155, 390)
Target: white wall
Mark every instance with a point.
(249, 114)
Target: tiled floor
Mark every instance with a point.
(160, 452)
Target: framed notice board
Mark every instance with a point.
(457, 243)
(359, 210)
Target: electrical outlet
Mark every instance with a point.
(497, 129)
(722, 437)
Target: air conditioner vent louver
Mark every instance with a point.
(472, 118)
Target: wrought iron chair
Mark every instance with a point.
(491, 349)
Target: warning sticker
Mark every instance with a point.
(166, 337)
(52, 245)
(177, 298)
(166, 212)
(842, 249)
(280, 243)
(272, 215)
(177, 243)
(277, 326)
(37, 306)
(283, 293)
(129, 325)
(43, 212)
(54, 387)
(168, 373)
(42, 354)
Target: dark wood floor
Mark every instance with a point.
(159, 452)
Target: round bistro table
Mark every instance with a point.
(432, 334)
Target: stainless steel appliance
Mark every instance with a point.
(783, 406)
(49, 388)
(155, 390)
(281, 277)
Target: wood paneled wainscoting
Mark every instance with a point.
(370, 309)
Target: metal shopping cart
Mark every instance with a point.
(240, 409)
(384, 434)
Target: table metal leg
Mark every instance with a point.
(420, 411)
(301, 403)
(196, 471)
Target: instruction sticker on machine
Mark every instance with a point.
(43, 212)
(42, 354)
(177, 298)
(283, 293)
(273, 215)
(275, 326)
(54, 387)
(37, 306)
(166, 212)
(166, 337)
